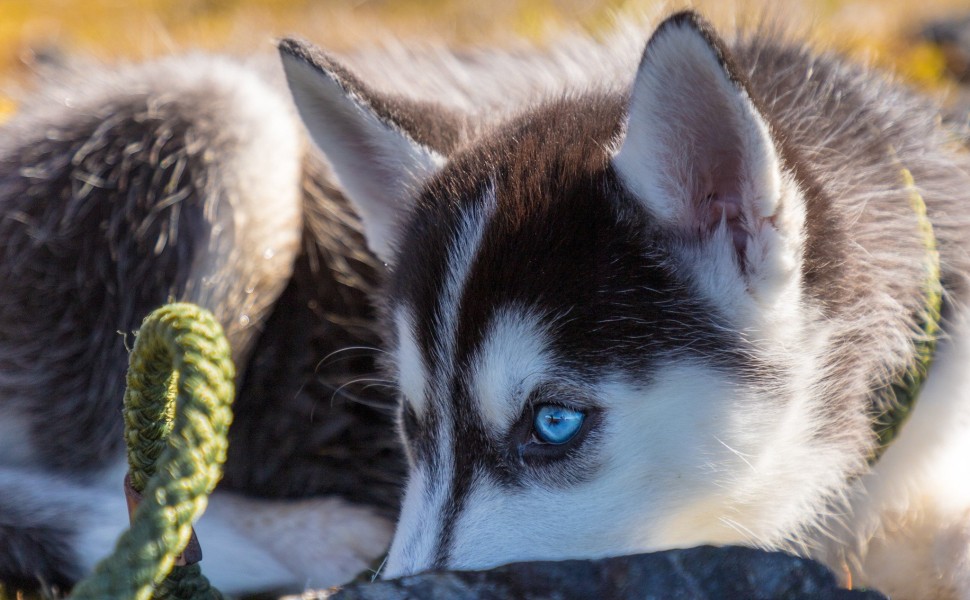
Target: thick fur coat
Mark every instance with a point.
(711, 267)
(703, 251)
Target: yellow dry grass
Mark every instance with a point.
(883, 31)
(141, 28)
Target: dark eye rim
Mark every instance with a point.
(531, 450)
(412, 431)
(408, 419)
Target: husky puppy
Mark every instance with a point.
(190, 178)
(666, 308)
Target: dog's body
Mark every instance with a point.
(189, 178)
(714, 276)
(637, 317)
(185, 178)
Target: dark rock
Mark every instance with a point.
(701, 573)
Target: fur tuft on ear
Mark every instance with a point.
(697, 151)
(379, 164)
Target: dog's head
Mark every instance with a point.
(594, 311)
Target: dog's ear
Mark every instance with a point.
(699, 155)
(372, 140)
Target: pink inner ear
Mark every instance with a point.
(726, 207)
(719, 159)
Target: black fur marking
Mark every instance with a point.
(429, 124)
(471, 447)
(310, 420)
(36, 555)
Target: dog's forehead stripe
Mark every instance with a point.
(425, 327)
(465, 242)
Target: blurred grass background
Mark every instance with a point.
(884, 31)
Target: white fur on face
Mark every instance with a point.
(412, 376)
(511, 363)
(654, 448)
(692, 457)
(419, 525)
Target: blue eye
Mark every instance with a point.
(556, 424)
